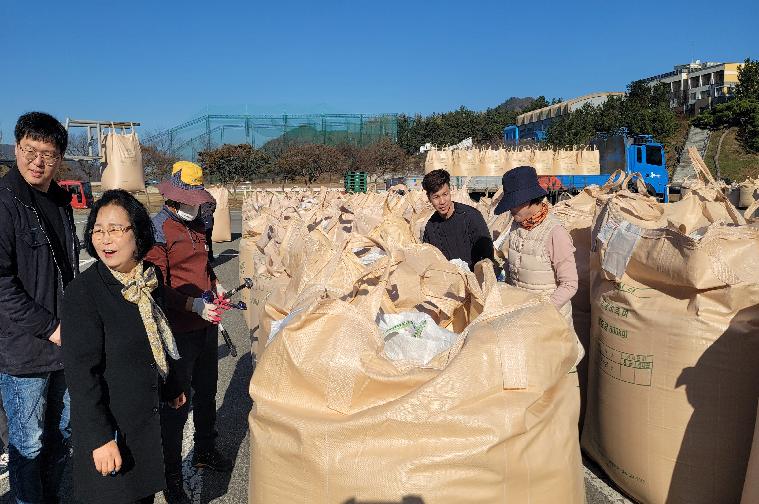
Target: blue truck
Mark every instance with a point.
(618, 151)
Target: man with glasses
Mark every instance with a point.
(39, 256)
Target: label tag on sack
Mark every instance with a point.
(620, 242)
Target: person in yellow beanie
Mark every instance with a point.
(181, 254)
(206, 209)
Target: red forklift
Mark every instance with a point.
(81, 192)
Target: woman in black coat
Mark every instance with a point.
(117, 350)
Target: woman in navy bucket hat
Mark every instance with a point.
(539, 250)
(520, 185)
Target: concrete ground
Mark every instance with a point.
(234, 404)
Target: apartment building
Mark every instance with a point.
(696, 86)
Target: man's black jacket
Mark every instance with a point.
(31, 283)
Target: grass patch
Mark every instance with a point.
(735, 163)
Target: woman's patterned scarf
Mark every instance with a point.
(138, 285)
(536, 219)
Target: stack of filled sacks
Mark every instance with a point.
(405, 376)
(495, 162)
(281, 232)
(674, 337)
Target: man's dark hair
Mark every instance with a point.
(139, 219)
(42, 127)
(435, 180)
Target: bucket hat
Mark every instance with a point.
(185, 185)
(520, 185)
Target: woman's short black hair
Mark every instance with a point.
(139, 219)
(435, 180)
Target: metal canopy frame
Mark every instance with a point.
(95, 132)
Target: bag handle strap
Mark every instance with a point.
(751, 209)
(702, 171)
(615, 181)
(639, 183)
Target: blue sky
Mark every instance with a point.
(161, 62)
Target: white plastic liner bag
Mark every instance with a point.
(413, 337)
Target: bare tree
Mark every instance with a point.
(79, 145)
(157, 156)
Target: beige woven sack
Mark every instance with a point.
(522, 157)
(124, 168)
(565, 162)
(425, 281)
(334, 420)
(672, 374)
(749, 192)
(466, 163)
(438, 160)
(492, 163)
(543, 161)
(222, 218)
(266, 283)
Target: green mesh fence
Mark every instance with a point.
(274, 133)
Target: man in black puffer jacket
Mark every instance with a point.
(39, 256)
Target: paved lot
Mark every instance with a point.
(234, 404)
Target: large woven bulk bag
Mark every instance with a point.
(509, 161)
(733, 193)
(588, 162)
(425, 281)
(462, 196)
(523, 157)
(565, 162)
(419, 223)
(438, 160)
(492, 419)
(267, 282)
(247, 265)
(124, 168)
(750, 212)
(465, 163)
(335, 268)
(492, 163)
(222, 218)
(748, 193)
(543, 161)
(674, 338)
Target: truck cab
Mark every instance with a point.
(635, 154)
(81, 193)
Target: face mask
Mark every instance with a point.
(187, 212)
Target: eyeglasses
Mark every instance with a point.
(115, 232)
(30, 154)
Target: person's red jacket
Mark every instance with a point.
(181, 253)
